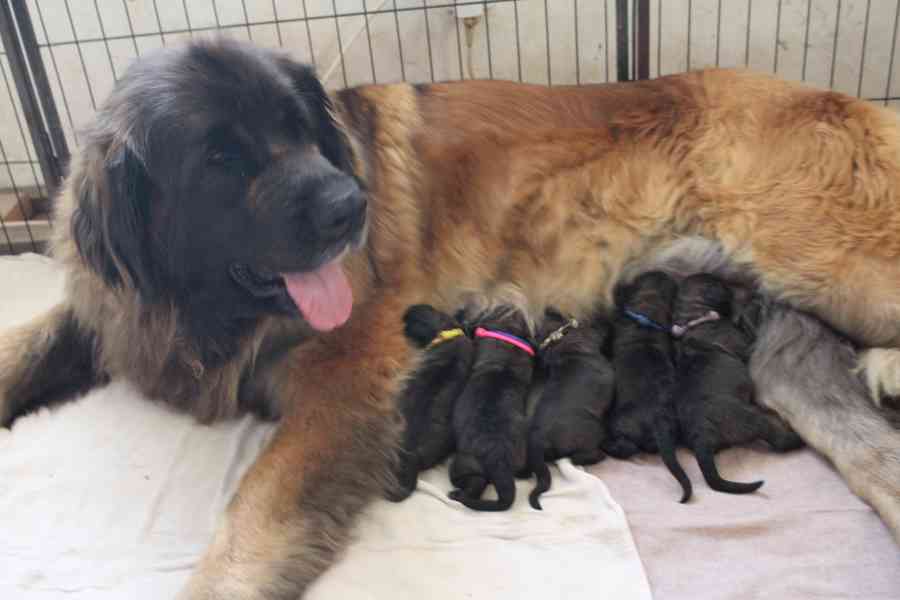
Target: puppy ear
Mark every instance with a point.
(110, 223)
(333, 142)
(422, 322)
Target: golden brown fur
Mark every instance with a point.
(484, 186)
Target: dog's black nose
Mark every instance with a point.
(341, 208)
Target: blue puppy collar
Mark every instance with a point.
(643, 320)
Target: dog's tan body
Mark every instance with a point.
(549, 192)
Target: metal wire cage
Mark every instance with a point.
(61, 57)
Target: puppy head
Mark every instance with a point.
(651, 293)
(700, 294)
(422, 322)
(553, 320)
(216, 175)
(589, 337)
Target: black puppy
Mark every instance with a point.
(643, 418)
(578, 391)
(426, 402)
(714, 395)
(489, 419)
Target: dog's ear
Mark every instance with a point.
(333, 142)
(111, 220)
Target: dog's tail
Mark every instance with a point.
(538, 465)
(665, 432)
(501, 475)
(707, 462)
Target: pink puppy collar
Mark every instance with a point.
(505, 337)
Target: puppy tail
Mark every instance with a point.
(706, 460)
(538, 466)
(664, 432)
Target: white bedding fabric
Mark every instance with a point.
(116, 497)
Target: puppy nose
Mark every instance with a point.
(342, 207)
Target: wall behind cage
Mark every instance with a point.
(86, 45)
(846, 45)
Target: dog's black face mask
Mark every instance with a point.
(222, 184)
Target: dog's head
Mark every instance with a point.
(701, 293)
(215, 178)
(651, 294)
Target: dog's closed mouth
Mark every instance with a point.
(323, 295)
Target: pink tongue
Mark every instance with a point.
(323, 296)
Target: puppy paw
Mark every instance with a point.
(879, 368)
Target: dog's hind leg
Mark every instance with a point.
(469, 489)
(803, 371)
(467, 477)
(501, 474)
(49, 359)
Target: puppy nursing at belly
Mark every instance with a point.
(643, 418)
(489, 420)
(569, 420)
(714, 393)
(429, 395)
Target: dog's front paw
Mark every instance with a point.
(880, 370)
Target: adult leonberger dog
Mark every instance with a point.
(235, 239)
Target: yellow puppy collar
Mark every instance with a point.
(447, 334)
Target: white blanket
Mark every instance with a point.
(116, 497)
